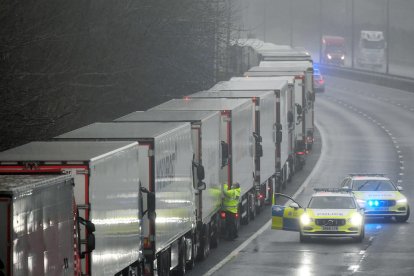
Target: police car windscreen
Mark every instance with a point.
(332, 202)
(372, 185)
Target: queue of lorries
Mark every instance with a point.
(142, 195)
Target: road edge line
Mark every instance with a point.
(267, 225)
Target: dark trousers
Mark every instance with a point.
(231, 226)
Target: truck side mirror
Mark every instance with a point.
(90, 239)
(290, 117)
(278, 137)
(91, 242)
(200, 172)
(201, 186)
(278, 127)
(224, 153)
(257, 137)
(299, 109)
(90, 227)
(150, 202)
(259, 150)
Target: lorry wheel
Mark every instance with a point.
(181, 268)
(215, 237)
(252, 209)
(245, 209)
(189, 265)
(205, 244)
(163, 265)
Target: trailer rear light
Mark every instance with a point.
(223, 215)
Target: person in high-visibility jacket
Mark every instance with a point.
(230, 206)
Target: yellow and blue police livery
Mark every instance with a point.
(330, 213)
(378, 195)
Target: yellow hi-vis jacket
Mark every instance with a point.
(231, 199)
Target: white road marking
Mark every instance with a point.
(267, 225)
(354, 268)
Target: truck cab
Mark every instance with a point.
(333, 50)
(372, 47)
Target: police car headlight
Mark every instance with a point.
(356, 219)
(305, 219)
(402, 200)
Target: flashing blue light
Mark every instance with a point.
(373, 203)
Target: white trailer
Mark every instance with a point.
(205, 132)
(307, 67)
(38, 222)
(106, 192)
(301, 101)
(371, 49)
(165, 169)
(265, 139)
(237, 162)
(285, 55)
(284, 121)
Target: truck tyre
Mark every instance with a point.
(205, 244)
(215, 236)
(404, 218)
(189, 265)
(245, 209)
(163, 266)
(182, 267)
(252, 206)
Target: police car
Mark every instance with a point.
(378, 195)
(330, 213)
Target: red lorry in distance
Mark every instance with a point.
(333, 50)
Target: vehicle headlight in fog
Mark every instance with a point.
(305, 219)
(361, 202)
(343, 57)
(329, 56)
(402, 200)
(356, 219)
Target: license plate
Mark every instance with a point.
(330, 228)
(379, 209)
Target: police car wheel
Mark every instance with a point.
(303, 238)
(361, 237)
(404, 218)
